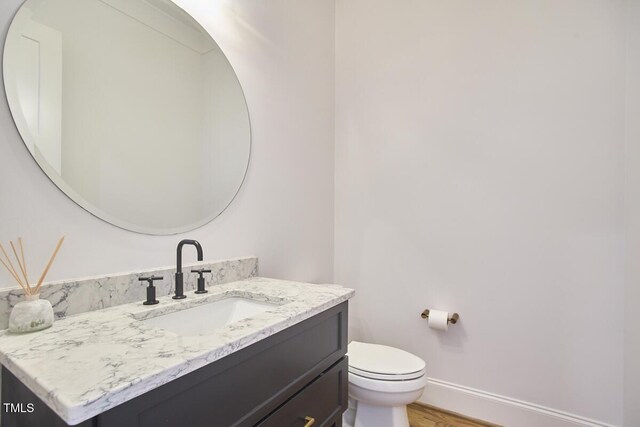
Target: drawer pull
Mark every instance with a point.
(310, 421)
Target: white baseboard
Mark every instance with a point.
(499, 409)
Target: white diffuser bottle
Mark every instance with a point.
(33, 314)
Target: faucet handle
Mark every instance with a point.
(151, 290)
(201, 289)
(150, 279)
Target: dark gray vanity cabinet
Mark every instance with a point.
(285, 380)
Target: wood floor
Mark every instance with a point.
(421, 415)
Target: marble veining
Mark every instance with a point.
(76, 296)
(88, 363)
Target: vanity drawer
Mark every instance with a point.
(324, 400)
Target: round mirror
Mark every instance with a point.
(130, 108)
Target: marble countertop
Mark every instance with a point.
(91, 362)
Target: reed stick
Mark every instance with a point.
(22, 269)
(12, 270)
(46, 270)
(24, 262)
(14, 276)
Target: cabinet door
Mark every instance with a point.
(322, 401)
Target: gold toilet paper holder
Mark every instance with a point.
(453, 319)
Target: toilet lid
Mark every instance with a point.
(383, 362)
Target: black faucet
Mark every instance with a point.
(179, 284)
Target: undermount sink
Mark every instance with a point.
(206, 318)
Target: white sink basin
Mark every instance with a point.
(206, 318)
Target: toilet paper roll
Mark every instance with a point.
(439, 320)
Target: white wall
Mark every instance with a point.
(632, 289)
(479, 169)
(282, 52)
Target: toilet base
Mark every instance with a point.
(349, 416)
(383, 403)
(380, 416)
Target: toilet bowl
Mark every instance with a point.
(383, 380)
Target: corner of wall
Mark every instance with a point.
(632, 212)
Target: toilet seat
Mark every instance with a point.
(386, 377)
(383, 363)
(387, 386)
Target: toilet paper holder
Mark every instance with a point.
(453, 319)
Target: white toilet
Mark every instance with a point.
(382, 382)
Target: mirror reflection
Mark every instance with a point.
(130, 107)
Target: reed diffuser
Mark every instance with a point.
(33, 314)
